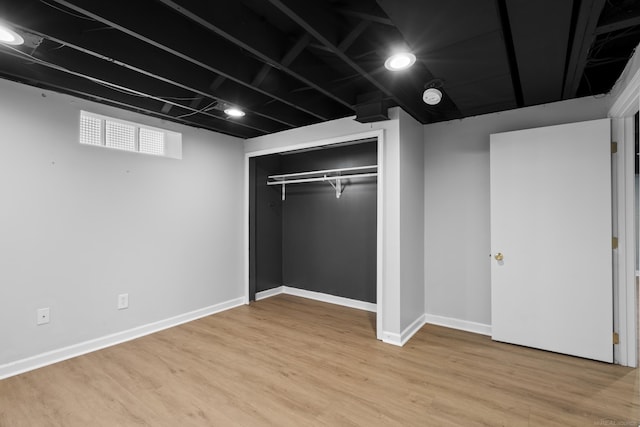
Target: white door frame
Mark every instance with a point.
(622, 114)
(379, 134)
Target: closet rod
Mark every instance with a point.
(298, 174)
(321, 178)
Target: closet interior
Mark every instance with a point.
(312, 216)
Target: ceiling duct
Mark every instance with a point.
(371, 107)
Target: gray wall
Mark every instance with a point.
(80, 225)
(329, 244)
(411, 219)
(457, 234)
(265, 214)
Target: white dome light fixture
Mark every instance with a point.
(234, 112)
(8, 36)
(400, 61)
(432, 96)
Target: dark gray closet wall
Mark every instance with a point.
(265, 226)
(329, 244)
(312, 240)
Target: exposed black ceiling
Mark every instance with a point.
(291, 63)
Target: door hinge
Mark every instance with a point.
(614, 242)
(614, 147)
(616, 338)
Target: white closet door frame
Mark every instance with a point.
(625, 300)
(379, 135)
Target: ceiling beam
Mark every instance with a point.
(124, 51)
(262, 40)
(318, 22)
(366, 16)
(584, 35)
(296, 50)
(503, 15)
(117, 80)
(353, 35)
(83, 88)
(268, 122)
(621, 24)
(288, 58)
(227, 62)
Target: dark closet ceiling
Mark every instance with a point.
(290, 63)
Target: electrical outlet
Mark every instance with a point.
(123, 301)
(43, 316)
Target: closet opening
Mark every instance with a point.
(314, 223)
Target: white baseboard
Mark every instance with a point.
(387, 337)
(317, 296)
(269, 293)
(402, 338)
(58, 355)
(463, 325)
(449, 322)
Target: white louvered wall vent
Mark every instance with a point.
(108, 132)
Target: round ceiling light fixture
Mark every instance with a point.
(400, 61)
(8, 36)
(432, 96)
(234, 112)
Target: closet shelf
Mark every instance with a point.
(327, 175)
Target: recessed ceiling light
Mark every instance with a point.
(432, 96)
(400, 61)
(8, 36)
(234, 112)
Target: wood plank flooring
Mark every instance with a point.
(287, 361)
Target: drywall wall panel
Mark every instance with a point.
(411, 219)
(457, 234)
(81, 224)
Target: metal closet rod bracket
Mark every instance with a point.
(327, 175)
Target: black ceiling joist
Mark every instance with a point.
(317, 22)
(511, 52)
(584, 34)
(291, 63)
(113, 79)
(366, 16)
(83, 88)
(609, 27)
(110, 62)
(231, 62)
(263, 42)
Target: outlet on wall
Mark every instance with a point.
(123, 301)
(42, 316)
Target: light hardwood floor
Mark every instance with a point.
(287, 361)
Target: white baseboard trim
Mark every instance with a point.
(317, 296)
(463, 325)
(269, 293)
(402, 338)
(34, 362)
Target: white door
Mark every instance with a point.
(551, 225)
